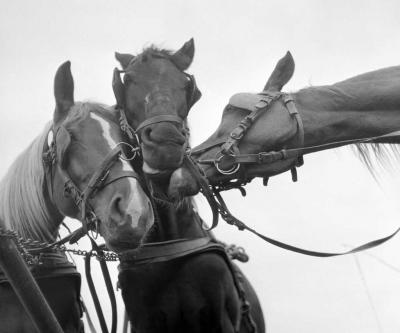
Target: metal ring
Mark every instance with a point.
(133, 150)
(230, 171)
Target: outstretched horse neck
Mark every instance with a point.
(177, 222)
(364, 106)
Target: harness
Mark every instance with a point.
(49, 265)
(157, 252)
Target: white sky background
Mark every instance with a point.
(238, 43)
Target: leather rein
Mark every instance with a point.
(229, 149)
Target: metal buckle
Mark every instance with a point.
(230, 171)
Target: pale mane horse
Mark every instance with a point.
(82, 146)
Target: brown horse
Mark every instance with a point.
(43, 186)
(182, 280)
(346, 112)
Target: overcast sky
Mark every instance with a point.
(238, 43)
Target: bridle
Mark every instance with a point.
(99, 179)
(229, 151)
(229, 148)
(192, 96)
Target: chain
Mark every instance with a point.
(28, 245)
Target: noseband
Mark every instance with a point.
(99, 180)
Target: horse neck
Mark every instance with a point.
(178, 222)
(365, 106)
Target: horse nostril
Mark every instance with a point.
(146, 133)
(117, 211)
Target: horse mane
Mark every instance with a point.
(156, 51)
(22, 204)
(381, 155)
(379, 89)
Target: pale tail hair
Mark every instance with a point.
(22, 203)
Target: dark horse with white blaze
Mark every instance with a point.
(182, 280)
(73, 168)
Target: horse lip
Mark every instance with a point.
(149, 170)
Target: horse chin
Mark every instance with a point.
(182, 184)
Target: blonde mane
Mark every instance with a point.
(22, 203)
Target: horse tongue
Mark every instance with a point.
(182, 184)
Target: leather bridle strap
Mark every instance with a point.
(237, 134)
(284, 154)
(202, 181)
(159, 119)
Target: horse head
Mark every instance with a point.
(157, 95)
(272, 129)
(88, 176)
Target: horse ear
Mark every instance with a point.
(184, 56)
(63, 91)
(118, 88)
(281, 74)
(124, 59)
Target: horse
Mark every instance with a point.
(181, 279)
(265, 134)
(75, 168)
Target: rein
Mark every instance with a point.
(229, 150)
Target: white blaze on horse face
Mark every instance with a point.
(138, 206)
(105, 126)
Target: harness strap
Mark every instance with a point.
(151, 253)
(159, 119)
(93, 292)
(110, 290)
(201, 179)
